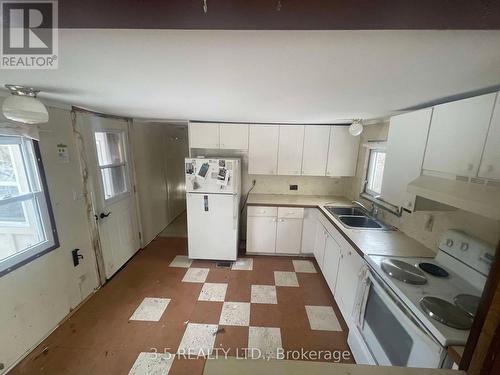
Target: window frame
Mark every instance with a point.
(123, 164)
(370, 170)
(38, 182)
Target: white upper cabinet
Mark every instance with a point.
(457, 135)
(315, 154)
(263, 149)
(203, 135)
(233, 136)
(490, 163)
(342, 153)
(404, 156)
(291, 141)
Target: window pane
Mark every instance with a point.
(109, 148)
(376, 171)
(13, 177)
(114, 181)
(20, 227)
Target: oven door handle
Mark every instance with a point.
(379, 284)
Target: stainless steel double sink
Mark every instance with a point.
(356, 218)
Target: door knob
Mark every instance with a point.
(103, 215)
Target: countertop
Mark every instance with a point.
(222, 366)
(366, 242)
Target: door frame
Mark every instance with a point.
(88, 185)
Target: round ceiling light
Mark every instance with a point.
(23, 106)
(356, 128)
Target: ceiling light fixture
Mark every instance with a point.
(23, 106)
(356, 127)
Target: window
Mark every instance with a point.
(112, 163)
(375, 172)
(27, 228)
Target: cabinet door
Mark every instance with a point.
(288, 236)
(490, 163)
(291, 142)
(261, 234)
(331, 262)
(315, 154)
(342, 153)
(308, 231)
(203, 135)
(263, 149)
(457, 135)
(404, 156)
(319, 244)
(347, 281)
(233, 136)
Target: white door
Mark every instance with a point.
(291, 142)
(319, 244)
(309, 230)
(342, 153)
(233, 136)
(457, 135)
(203, 135)
(490, 163)
(347, 281)
(404, 156)
(288, 236)
(331, 262)
(108, 160)
(261, 234)
(263, 149)
(315, 154)
(212, 226)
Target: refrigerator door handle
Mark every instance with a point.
(205, 202)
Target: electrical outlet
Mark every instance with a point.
(294, 187)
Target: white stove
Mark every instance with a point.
(396, 329)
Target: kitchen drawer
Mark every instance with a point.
(291, 212)
(262, 211)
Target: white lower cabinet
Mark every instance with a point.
(347, 281)
(274, 230)
(331, 261)
(308, 231)
(288, 236)
(261, 234)
(319, 244)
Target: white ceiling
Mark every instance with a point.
(263, 76)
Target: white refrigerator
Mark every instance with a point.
(213, 207)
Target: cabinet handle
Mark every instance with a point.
(282, 220)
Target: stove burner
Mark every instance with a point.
(403, 271)
(433, 269)
(468, 303)
(446, 313)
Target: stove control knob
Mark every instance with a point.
(449, 242)
(464, 246)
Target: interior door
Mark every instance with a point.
(108, 161)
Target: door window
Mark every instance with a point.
(110, 146)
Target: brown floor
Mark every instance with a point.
(100, 339)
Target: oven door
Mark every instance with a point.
(393, 335)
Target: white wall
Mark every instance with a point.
(38, 295)
(159, 152)
(413, 224)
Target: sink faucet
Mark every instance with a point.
(373, 211)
